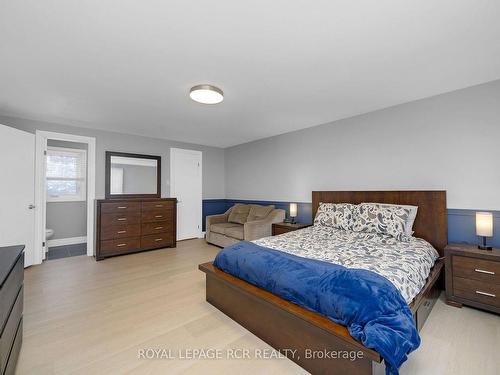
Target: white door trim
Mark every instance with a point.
(40, 196)
(173, 152)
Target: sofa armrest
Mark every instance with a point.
(253, 230)
(216, 219)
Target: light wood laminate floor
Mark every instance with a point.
(88, 317)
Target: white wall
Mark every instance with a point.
(450, 141)
(213, 157)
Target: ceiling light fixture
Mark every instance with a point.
(206, 94)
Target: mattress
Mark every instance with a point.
(405, 264)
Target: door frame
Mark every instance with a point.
(173, 152)
(41, 138)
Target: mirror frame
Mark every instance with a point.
(107, 172)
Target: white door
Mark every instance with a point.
(17, 190)
(186, 186)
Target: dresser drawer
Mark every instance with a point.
(10, 290)
(479, 291)
(120, 231)
(156, 241)
(120, 219)
(118, 246)
(477, 269)
(9, 331)
(158, 227)
(14, 352)
(149, 206)
(157, 215)
(120, 207)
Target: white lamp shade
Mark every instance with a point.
(293, 209)
(484, 224)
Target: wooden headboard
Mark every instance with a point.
(430, 224)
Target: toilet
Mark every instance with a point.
(49, 233)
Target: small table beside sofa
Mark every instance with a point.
(242, 222)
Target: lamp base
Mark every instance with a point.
(292, 220)
(484, 247)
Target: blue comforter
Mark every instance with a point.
(366, 303)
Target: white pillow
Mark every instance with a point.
(336, 215)
(392, 219)
(411, 217)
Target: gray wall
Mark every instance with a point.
(68, 219)
(213, 157)
(450, 141)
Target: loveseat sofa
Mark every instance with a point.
(242, 222)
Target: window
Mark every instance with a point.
(66, 174)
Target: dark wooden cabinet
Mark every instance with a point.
(280, 228)
(132, 225)
(11, 306)
(473, 277)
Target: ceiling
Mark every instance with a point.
(128, 65)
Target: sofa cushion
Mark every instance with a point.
(221, 227)
(239, 213)
(258, 212)
(235, 232)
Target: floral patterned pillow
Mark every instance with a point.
(393, 220)
(336, 215)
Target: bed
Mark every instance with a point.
(285, 325)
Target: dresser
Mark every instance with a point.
(125, 226)
(11, 306)
(473, 277)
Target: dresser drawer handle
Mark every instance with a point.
(121, 244)
(483, 271)
(158, 228)
(159, 205)
(121, 231)
(122, 218)
(122, 207)
(159, 239)
(158, 216)
(485, 294)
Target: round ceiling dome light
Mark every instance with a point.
(206, 94)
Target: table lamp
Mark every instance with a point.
(484, 228)
(293, 212)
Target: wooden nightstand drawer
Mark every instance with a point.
(472, 277)
(475, 290)
(281, 228)
(477, 269)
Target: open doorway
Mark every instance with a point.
(65, 193)
(66, 199)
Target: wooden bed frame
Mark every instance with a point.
(284, 325)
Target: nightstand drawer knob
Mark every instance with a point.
(485, 294)
(483, 271)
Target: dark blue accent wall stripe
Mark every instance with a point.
(461, 223)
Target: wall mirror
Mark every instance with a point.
(132, 175)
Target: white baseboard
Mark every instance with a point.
(66, 241)
(201, 235)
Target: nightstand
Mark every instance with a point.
(472, 277)
(280, 228)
